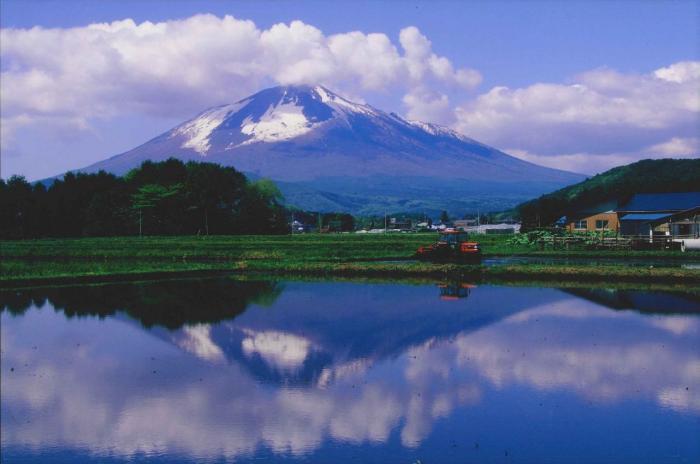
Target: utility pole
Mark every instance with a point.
(385, 221)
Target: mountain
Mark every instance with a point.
(329, 153)
(615, 185)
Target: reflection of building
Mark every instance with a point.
(651, 302)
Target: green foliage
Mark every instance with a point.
(531, 238)
(540, 237)
(165, 303)
(618, 184)
(303, 248)
(163, 198)
(150, 196)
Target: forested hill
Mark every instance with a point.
(620, 183)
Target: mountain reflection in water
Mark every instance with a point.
(220, 369)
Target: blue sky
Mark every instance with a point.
(594, 62)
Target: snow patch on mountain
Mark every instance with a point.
(285, 119)
(434, 129)
(198, 130)
(281, 122)
(280, 350)
(339, 103)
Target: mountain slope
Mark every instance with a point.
(309, 134)
(617, 184)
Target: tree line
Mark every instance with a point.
(157, 198)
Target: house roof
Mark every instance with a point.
(644, 216)
(606, 207)
(662, 202)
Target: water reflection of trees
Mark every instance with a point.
(423, 364)
(642, 301)
(169, 303)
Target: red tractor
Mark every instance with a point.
(452, 245)
(454, 291)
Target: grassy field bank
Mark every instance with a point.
(306, 248)
(26, 273)
(94, 259)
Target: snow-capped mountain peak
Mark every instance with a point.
(289, 112)
(435, 129)
(281, 122)
(197, 130)
(342, 104)
(300, 134)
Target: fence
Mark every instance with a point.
(619, 242)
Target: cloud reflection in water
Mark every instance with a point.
(293, 378)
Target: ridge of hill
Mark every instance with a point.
(617, 184)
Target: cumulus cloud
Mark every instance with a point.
(176, 68)
(601, 119)
(425, 101)
(68, 78)
(425, 105)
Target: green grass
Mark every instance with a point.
(22, 272)
(93, 259)
(330, 247)
(307, 248)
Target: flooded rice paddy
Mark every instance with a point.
(220, 370)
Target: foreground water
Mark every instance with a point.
(225, 370)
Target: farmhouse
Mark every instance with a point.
(598, 218)
(649, 214)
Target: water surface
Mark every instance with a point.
(223, 370)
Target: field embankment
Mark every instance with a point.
(339, 255)
(290, 248)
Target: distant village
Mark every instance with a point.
(649, 216)
(399, 224)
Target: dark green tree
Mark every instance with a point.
(444, 217)
(168, 197)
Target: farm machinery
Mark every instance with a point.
(451, 246)
(455, 290)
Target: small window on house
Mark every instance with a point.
(601, 224)
(581, 225)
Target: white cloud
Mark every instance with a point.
(589, 163)
(683, 71)
(677, 146)
(602, 119)
(180, 67)
(281, 350)
(196, 339)
(424, 105)
(67, 78)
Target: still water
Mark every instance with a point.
(221, 370)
